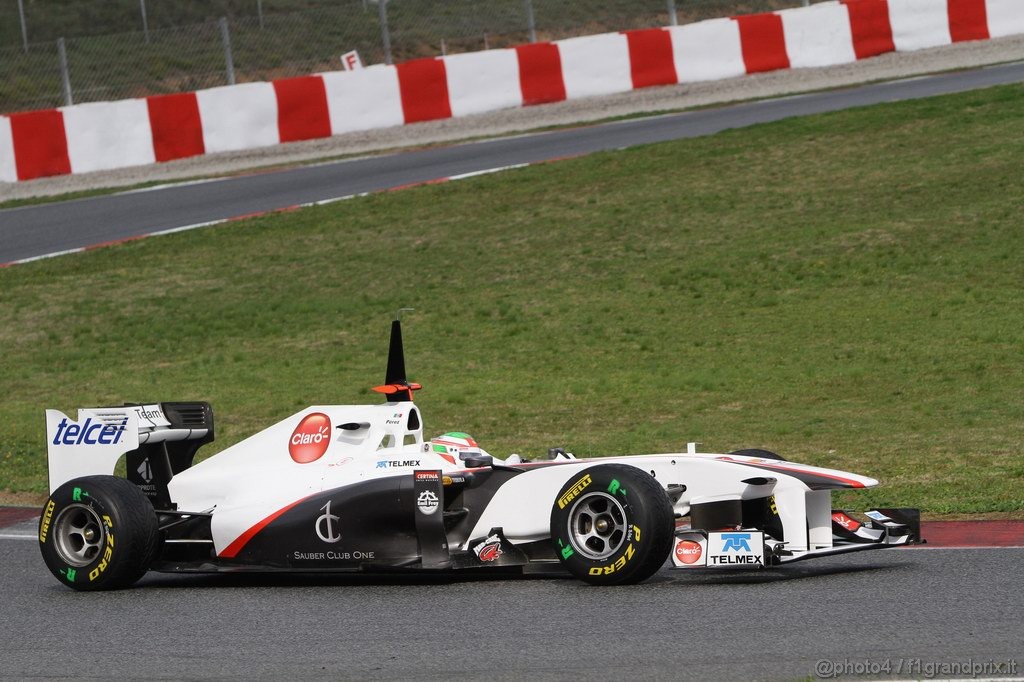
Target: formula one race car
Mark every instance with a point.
(357, 488)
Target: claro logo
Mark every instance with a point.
(688, 551)
(310, 439)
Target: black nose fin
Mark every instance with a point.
(396, 386)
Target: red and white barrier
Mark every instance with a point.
(483, 81)
(176, 125)
(238, 117)
(918, 24)
(707, 51)
(363, 99)
(8, 171)
(108, 135)
(819, 35)
(595, 65)
(1005, 18)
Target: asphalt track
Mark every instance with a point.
(889, 614)
(35, 231)
(894, 612)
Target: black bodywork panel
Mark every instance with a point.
(374, 525)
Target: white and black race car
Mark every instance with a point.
(357, 488)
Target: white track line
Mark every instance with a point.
(284, 209)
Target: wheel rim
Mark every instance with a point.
(79, 534)
(597, 526)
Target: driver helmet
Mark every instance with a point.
(455, 446)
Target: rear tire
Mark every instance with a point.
(98, 533)
(612, 524)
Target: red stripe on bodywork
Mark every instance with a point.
(40, 144)
(302, 108)
(763, 42)
(232, 550)
(968, 20)
(650, 58)
(176, 125)
(540, 73)
(849, 482)
(423, 84)
(870, 27)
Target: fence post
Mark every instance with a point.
(65, 78)
(225, 39)
(259, 12)
(145, 20)
(24, 29)
(672, 20)
(529, 20)
(385, 34)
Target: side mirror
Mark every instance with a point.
(476, 461)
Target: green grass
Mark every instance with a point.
(47, 20)
(845, 289)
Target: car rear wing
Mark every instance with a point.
(159, 439)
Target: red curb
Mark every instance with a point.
(973, 533)
(12, 515)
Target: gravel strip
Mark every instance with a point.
(774, 84)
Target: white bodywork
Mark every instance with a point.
(255, 480)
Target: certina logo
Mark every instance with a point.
(688, 551)
(489, 548)
(427, 502)
(427, 476)
(310, 439)
(325, 525)
(89, 432)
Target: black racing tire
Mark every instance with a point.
(612, 524)
(757, 452)
(98, 533)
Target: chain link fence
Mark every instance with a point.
(252, 44)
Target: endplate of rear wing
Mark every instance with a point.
(94, 442)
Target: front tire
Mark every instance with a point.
(98, 533)
(612, 525)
